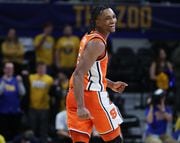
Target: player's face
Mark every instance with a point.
(41, 69)
(48, 30)
(12, 33)
(162, 54)
(107, 20)
(68, 31)
(9, 69)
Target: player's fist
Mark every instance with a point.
(83, 113)
(119, 86)
(19, 78)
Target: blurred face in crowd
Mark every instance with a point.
(9, 69)
(162, 54)
(62, 77)
(41, 69)
(106, 21)
(11, 34)
(67, 30)
(48, 29)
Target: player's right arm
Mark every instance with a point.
(92, 51)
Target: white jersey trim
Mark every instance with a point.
(72, 129)
(95, 78)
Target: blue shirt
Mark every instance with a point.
(158, 126)
(9, 99)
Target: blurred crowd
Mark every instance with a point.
(32, 91)
(33, 87)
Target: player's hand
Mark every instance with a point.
(119, 86)
(25, 72)
(84, 113)
(19, 78)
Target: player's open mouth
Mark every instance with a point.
(112, 26)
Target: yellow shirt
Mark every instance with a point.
(40, 85)
(2, 139)
(12, 52)
(177, 126)
(44, 53)
(68, 49)
(162, 81)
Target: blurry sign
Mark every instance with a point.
(127, 16)
(151, 21)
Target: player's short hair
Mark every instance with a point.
(96, 11)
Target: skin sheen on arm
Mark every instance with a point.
(93, 50)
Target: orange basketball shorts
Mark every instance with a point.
(106, 116)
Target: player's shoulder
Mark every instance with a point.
(32, 75)
(96, 42)
(4, 43)
(96, 37)
(48, 77)
(51, 38)
(75, 38)
(62, 38)
(38, 36)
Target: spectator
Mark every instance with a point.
(11, 88)
(2, 140)
(176, 134)
(61, 128)
(157, 114)
(40, 84)
(168, 139)
(66, 51)
(59, 91)
(26, 137)
(44, 46)
(153, 139)
(176, 61)
(12, 50)
(160, 70)
(62, 84)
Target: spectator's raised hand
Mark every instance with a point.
(19, 78)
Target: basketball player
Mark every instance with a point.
(87, 102)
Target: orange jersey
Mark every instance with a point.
(95, 79)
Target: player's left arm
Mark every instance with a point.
(117, 86)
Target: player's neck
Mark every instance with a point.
(41, 74)
(102, 33)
